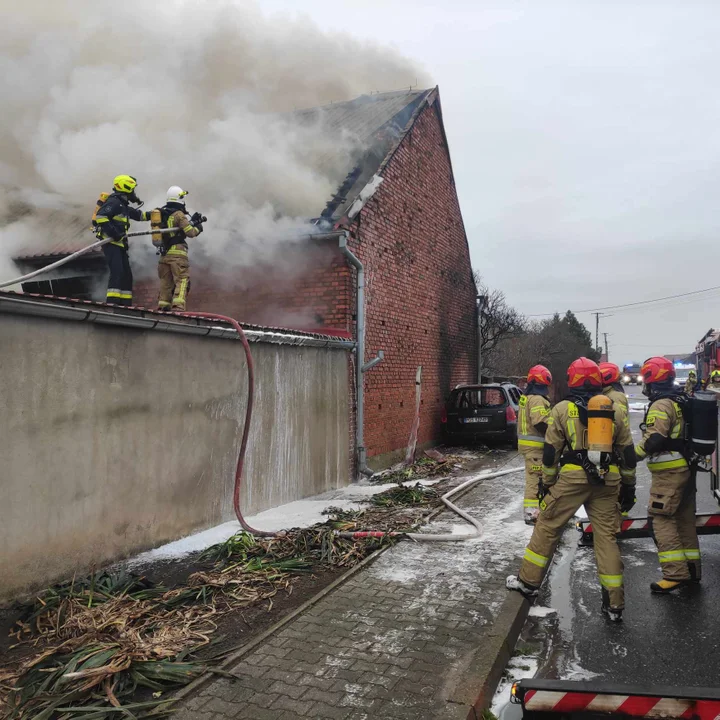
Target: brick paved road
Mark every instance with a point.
(390, 642)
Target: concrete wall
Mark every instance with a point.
(115, 440)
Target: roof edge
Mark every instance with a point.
(146, 319)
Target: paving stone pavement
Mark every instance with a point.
(390, 642)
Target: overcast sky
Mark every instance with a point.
(585, 138)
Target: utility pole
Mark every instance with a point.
(597, 330)
(607, 352)
(480, 308)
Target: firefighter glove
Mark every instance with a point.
(627, 498)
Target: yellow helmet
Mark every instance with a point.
(715, 375)
(125, 183)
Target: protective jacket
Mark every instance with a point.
(617, 395)
(690, 386)
(566, 434)
(175, 215)
(113, 219)
(532, 419)
(662, 442)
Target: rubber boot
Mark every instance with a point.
(513, 582)
(694, 575)
(613, 614)
(667, 586)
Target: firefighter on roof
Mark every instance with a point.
(112, 220)
(575, 474)
(174, 266)
(672, 492)
(533, 413)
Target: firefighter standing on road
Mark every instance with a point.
(691, 383)
(112, 220)
(581, 482)
(532, 416)
(614, 390)
(672, 492)
(611, 384)
(174, 266)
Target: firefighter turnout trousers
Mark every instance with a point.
(174, 274)
(672, 511)
(120, 283)
(558, 507)
(533, 475)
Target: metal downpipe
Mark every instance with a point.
(359, 358)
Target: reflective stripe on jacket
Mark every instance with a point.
(664, 417)
(533, 409)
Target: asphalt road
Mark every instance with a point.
(664, 640)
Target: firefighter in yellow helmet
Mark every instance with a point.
(174, 265)
(714, 382)
(112, 220)
(574, 476)
(532, 416)
(672, 492)
(690, 383)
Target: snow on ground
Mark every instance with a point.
(301, 513)
(518, 668)
(539, 611)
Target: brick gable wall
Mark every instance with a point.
(420, 294)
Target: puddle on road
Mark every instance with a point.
(545, 647)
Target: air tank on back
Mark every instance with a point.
(703, 422)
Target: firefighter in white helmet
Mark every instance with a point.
(174, 266)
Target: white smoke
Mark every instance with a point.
(196, 94)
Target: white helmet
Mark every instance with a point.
(176, 194)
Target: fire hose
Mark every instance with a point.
(70, 258)
(360, 535)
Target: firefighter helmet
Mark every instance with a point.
(584, 373)
(715, 376)
(176, 194)
(656, 370)
(125, 184)
(610, 373)
(539, 374)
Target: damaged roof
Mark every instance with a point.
(377, 122)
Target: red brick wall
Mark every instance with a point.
(311, 289)
(420, 294)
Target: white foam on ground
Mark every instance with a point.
(300, 513)
(539, 611)
(518, 668)
(638, 406)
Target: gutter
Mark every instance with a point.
(38, 308)
(361, 366)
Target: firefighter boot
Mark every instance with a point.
(513, 582)
(613, 614)
(663, 587)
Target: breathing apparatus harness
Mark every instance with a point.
(596, 414)
(159, 218)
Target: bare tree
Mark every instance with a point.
(499, 322)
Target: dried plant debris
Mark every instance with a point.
(432, 464)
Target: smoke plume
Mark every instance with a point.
(198, 94)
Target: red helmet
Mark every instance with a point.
(539, 374)
(657, 369)
(610, 373)
(584, 373)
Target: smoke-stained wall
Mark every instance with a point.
(116, 440)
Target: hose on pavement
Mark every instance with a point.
(431, 537)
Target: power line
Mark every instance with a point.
(633, 304)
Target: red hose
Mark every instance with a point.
(248, 417)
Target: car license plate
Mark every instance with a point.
(477, 420)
